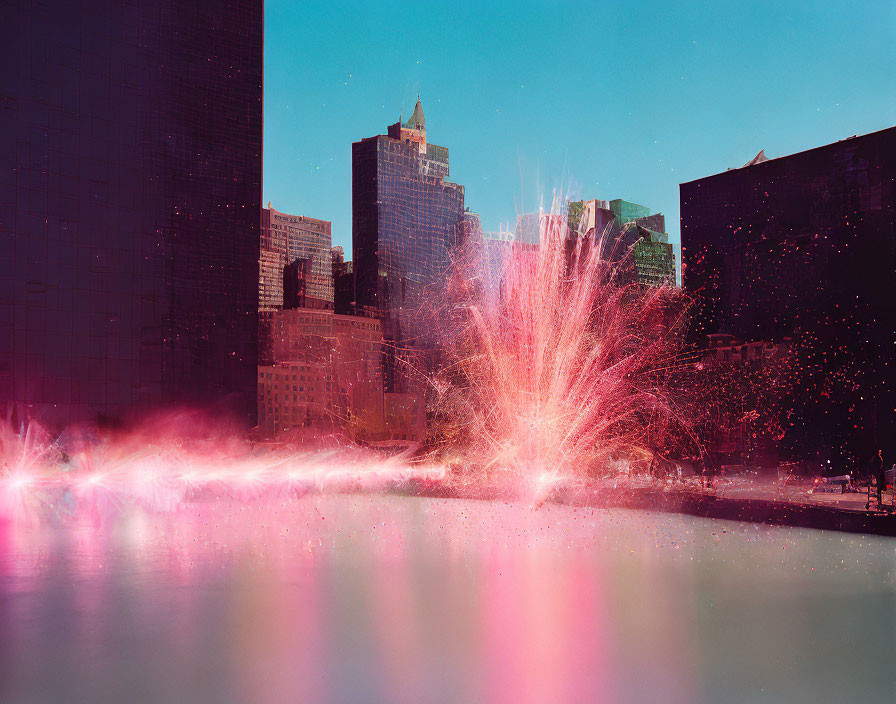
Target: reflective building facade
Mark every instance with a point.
(636, 240)
(804, 247)
(405, 219)
(129, 205)
(652, 257)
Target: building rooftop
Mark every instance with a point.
(762, 158)
(416, 121)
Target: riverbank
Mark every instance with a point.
(754, 510)
(844, 513)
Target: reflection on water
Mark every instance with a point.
(374, 598)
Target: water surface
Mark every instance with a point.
(370, 598)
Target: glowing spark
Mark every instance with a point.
(559, 370)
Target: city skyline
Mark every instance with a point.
(498, 102)
(362, 444)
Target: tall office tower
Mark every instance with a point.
(653, 258)
(129, 205)
(299, 237)
(804, 247)
(296, 278)
(404, 226)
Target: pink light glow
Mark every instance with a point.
(562, 373)
(565, 371)
(165, 472)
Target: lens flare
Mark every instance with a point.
(177, 461)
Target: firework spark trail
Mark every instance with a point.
(562, 371)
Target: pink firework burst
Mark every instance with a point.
(562, 368)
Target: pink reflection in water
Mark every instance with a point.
(374, 598)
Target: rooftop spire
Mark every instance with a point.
(416, 121)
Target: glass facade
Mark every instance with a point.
(653, 258)
(129, 205)
(469, 230)
(635, 239)
(405, 220)
(271, 264)
(804, 247)
(625, 211)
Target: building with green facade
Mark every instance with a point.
(654, 259)
(636, 238)
(625, 211)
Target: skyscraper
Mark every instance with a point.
(652, 256)
(129, 205)
(625, 211)
(804, 247)
(405, 217)
(469, 229)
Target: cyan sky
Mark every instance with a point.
(603, 100)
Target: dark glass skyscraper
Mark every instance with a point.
(804, 247)
(405, 219)
(130, 196)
